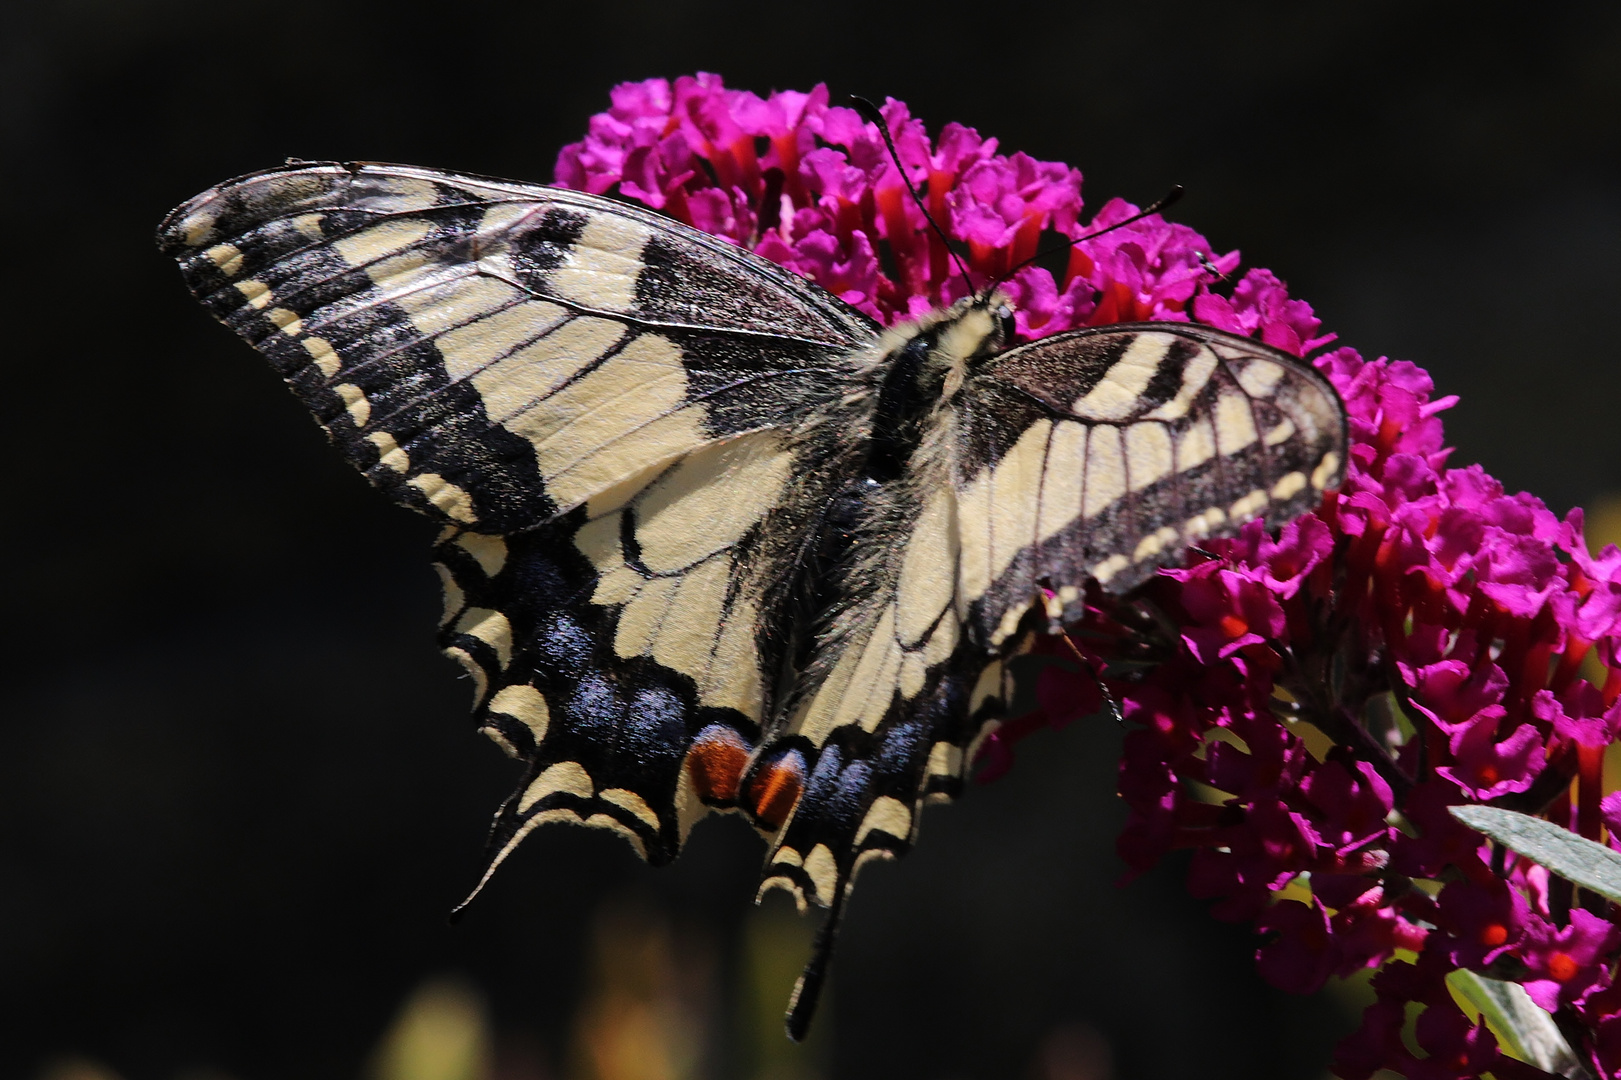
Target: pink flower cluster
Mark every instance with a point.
(1423, 640)
(812, 186)
(1417, 643)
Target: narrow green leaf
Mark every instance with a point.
(1589, 864)
(1524, 1029)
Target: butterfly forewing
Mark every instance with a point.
(494, 353)
(1105, 454)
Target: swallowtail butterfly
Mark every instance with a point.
(713, 540)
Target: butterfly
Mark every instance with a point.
(713, 539)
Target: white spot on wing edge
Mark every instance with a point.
(1325, 472)
(325, 357)
(1203, 524)
(227, 257)
(389, 452)
(614, 825)
(449, 499)
(286, 321)
(524, 704)
(1290, 485)
(481, 678)
(255, 292)
(490, 627)
(197, 229)
(454, 597)
(888, 815)
(1108, 568)
(823, 870)
(787, 884)
(489, 551)
(945, 759)
(354, 402)
(566, 777)
(496, 736)
(1155, 543)
(628, 800)
(1248, 506)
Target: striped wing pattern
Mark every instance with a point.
(1106, 454)
(674, 562)
(495, 354)
(616, 650)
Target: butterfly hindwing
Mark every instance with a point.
(494, 353)
(619, 650)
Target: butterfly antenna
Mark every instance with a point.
(870, 113)
(1154, 207)
(808, 990)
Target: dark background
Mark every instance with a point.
(237, 790)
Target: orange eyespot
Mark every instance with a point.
(776, 788)
(716, 762)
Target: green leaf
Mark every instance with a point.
(1524, 1029)
(1591, 865)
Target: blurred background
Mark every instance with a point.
(238, 790)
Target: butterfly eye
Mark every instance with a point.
(1004, 316)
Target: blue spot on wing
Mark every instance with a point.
(656, 724)
(564, 646)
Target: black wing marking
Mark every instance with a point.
(495, 353)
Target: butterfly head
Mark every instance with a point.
(972, 331)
